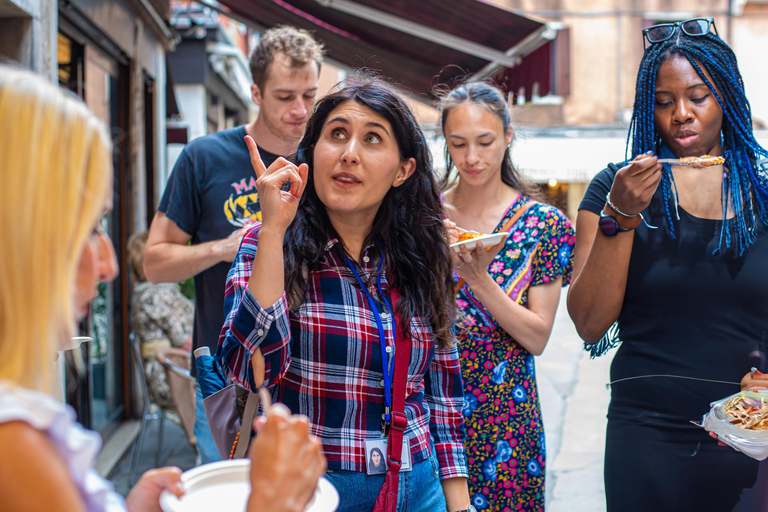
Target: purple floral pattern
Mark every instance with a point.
(505, 435)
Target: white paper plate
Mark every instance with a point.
(224, 486)
(488, 241)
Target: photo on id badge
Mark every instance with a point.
(376, 456)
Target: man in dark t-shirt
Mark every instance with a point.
(211, 198)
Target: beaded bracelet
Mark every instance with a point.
(234, 445)
(613, 207)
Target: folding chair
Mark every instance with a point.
(147, 414)
(177, 363)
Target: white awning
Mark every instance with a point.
(575, 158)
(566, 159)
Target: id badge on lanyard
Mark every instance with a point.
(376, 449)
(376, 456)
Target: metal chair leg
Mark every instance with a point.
(161, 427)
(138, 444)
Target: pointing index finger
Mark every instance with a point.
(258, 166)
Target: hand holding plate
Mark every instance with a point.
(755, 379)
(472, 265)
(145, 495)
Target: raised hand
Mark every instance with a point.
(755, 379)
(636, 183)
(278, 206)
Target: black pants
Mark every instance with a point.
(649, 468)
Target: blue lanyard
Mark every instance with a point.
(386, 362)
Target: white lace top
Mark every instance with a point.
(78, 447)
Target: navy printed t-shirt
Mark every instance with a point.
(210, 194)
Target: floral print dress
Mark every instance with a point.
(505, 434)
(161, 313)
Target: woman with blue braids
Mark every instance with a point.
(672, 261)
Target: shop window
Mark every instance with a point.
(98, 394)
(544, 72)
(70, 57)
(149, 146)
(104, 96)
(561, 63)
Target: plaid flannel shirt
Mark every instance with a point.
(323, 360)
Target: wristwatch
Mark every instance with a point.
(470, 509)
(609, 226)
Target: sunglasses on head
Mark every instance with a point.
(694, 27)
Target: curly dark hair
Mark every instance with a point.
(408, 225)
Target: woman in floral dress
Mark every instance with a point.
(508, 294)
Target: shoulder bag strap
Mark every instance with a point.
(387, 499)
(246, 424)
(506, 227)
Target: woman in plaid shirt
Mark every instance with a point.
(358, 215)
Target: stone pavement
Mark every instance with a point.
(574, 403)
(175, 451)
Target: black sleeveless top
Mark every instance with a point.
(686, 313)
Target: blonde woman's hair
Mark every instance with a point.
(55, 161)
(136, 245)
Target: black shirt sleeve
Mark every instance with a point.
(181, 199)
(594, 198)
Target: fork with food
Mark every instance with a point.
(694, 161)
(457, 234)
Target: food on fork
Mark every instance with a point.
(702, 161)
(694, 161)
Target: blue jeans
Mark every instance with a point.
(419, 489)
(206, 448)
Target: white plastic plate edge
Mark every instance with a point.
(170, 503)
(492, 239)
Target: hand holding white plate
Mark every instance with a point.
(487, 240)
(224, 487)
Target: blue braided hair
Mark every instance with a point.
(745, 185)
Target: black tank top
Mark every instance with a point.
(686, 313)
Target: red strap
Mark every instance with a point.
(399, 421)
